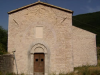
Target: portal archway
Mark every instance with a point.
(39, 49)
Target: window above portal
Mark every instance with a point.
(39, 32)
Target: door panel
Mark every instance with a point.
(39, 63)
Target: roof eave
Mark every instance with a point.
(39, 2)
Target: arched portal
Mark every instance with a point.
(39, 60)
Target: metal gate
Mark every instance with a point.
(39, 63)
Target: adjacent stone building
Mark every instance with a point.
(46, 42)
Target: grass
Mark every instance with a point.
(87, 70)
(1, 73)
(84, 70)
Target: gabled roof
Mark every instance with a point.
(42, 3)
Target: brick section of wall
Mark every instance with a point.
(6, 63)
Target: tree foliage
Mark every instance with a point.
(90, 22)
(98, 53)
(3, 40)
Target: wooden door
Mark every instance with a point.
(39, 63)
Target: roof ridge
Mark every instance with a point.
(39, 2)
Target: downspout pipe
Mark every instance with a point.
(15, 61)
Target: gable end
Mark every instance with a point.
(42, 3)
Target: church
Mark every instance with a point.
(46, 42)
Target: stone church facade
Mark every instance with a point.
(46, 42)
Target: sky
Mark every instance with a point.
(78, 6)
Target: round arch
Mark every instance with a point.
(41, 49)
(38, 48)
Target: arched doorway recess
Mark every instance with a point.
(39, 55)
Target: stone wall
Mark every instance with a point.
(6, 63)
(59, 37)
(84, 47)
(56, 37)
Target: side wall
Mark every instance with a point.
(84, 47)
(57, 35)
(6, 63)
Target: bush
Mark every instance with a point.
(3, 41)
(98, 53)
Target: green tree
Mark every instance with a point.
(89, 22)
(3, 40)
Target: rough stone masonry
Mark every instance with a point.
(44, 28)
(6, 63)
